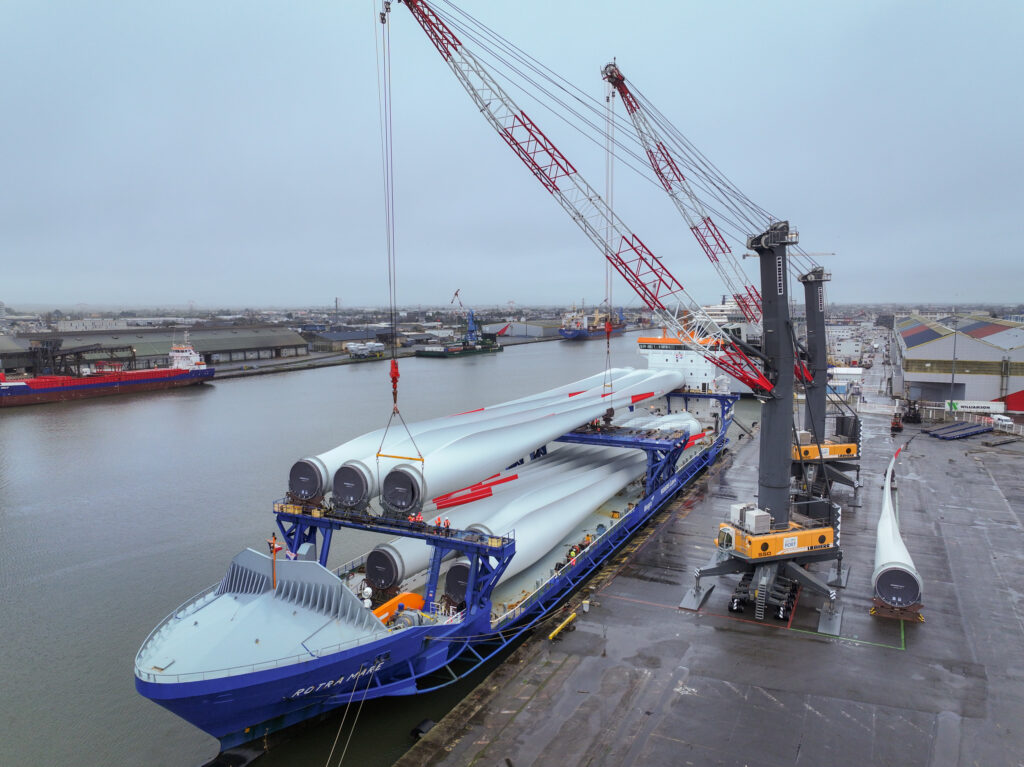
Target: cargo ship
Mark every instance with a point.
(282, 639)
(187, 368)
(580, 326)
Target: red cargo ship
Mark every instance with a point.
(187, 368)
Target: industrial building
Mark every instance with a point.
(152, 346)
(13, 356)
(338, 340)
(523, 329)
(960, 358)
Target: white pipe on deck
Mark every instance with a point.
(538, 531)
(390, 563)
(474, 455)
(894, 580)
(358, 479)
(311, 477)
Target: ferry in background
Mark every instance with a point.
(187, 368)
(580, 326)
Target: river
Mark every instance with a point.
(114, 511)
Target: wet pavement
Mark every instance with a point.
(640, 681)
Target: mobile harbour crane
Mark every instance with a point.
(769, 544)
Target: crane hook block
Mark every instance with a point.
(394, 380)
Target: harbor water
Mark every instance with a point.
(114, 511)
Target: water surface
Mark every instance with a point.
(114, 511)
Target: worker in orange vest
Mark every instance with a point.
(447, 526)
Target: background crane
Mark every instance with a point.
(705, 230)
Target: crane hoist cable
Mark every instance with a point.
(384, 94)
(609, 183)
(734, 211)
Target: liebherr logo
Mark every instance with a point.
(780, 283)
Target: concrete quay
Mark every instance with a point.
(640, 681)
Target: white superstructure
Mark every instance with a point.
(665, 352)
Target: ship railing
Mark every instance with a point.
(347, 570)
(182, 611)
(527, 601)
(443, 613)
(455, 617)
(249, 668)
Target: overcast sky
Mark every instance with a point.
(228, 153)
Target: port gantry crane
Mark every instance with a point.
(771, 558)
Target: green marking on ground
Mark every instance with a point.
(857, 641)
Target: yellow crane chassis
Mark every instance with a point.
(778, 543)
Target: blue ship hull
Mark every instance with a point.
(584, 334)
(242, 707)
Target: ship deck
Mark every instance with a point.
(640, 681)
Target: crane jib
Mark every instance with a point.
(644, 272)
(535, 143)
(689, 205)
(440, 35)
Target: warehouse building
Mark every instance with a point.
(523, 329)
(989, 359)
(13, 355)
(152, 346)
(337, 340)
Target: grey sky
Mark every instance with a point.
(228, 153)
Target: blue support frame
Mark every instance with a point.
(296, 531)
(488, 555)
(662, 454)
